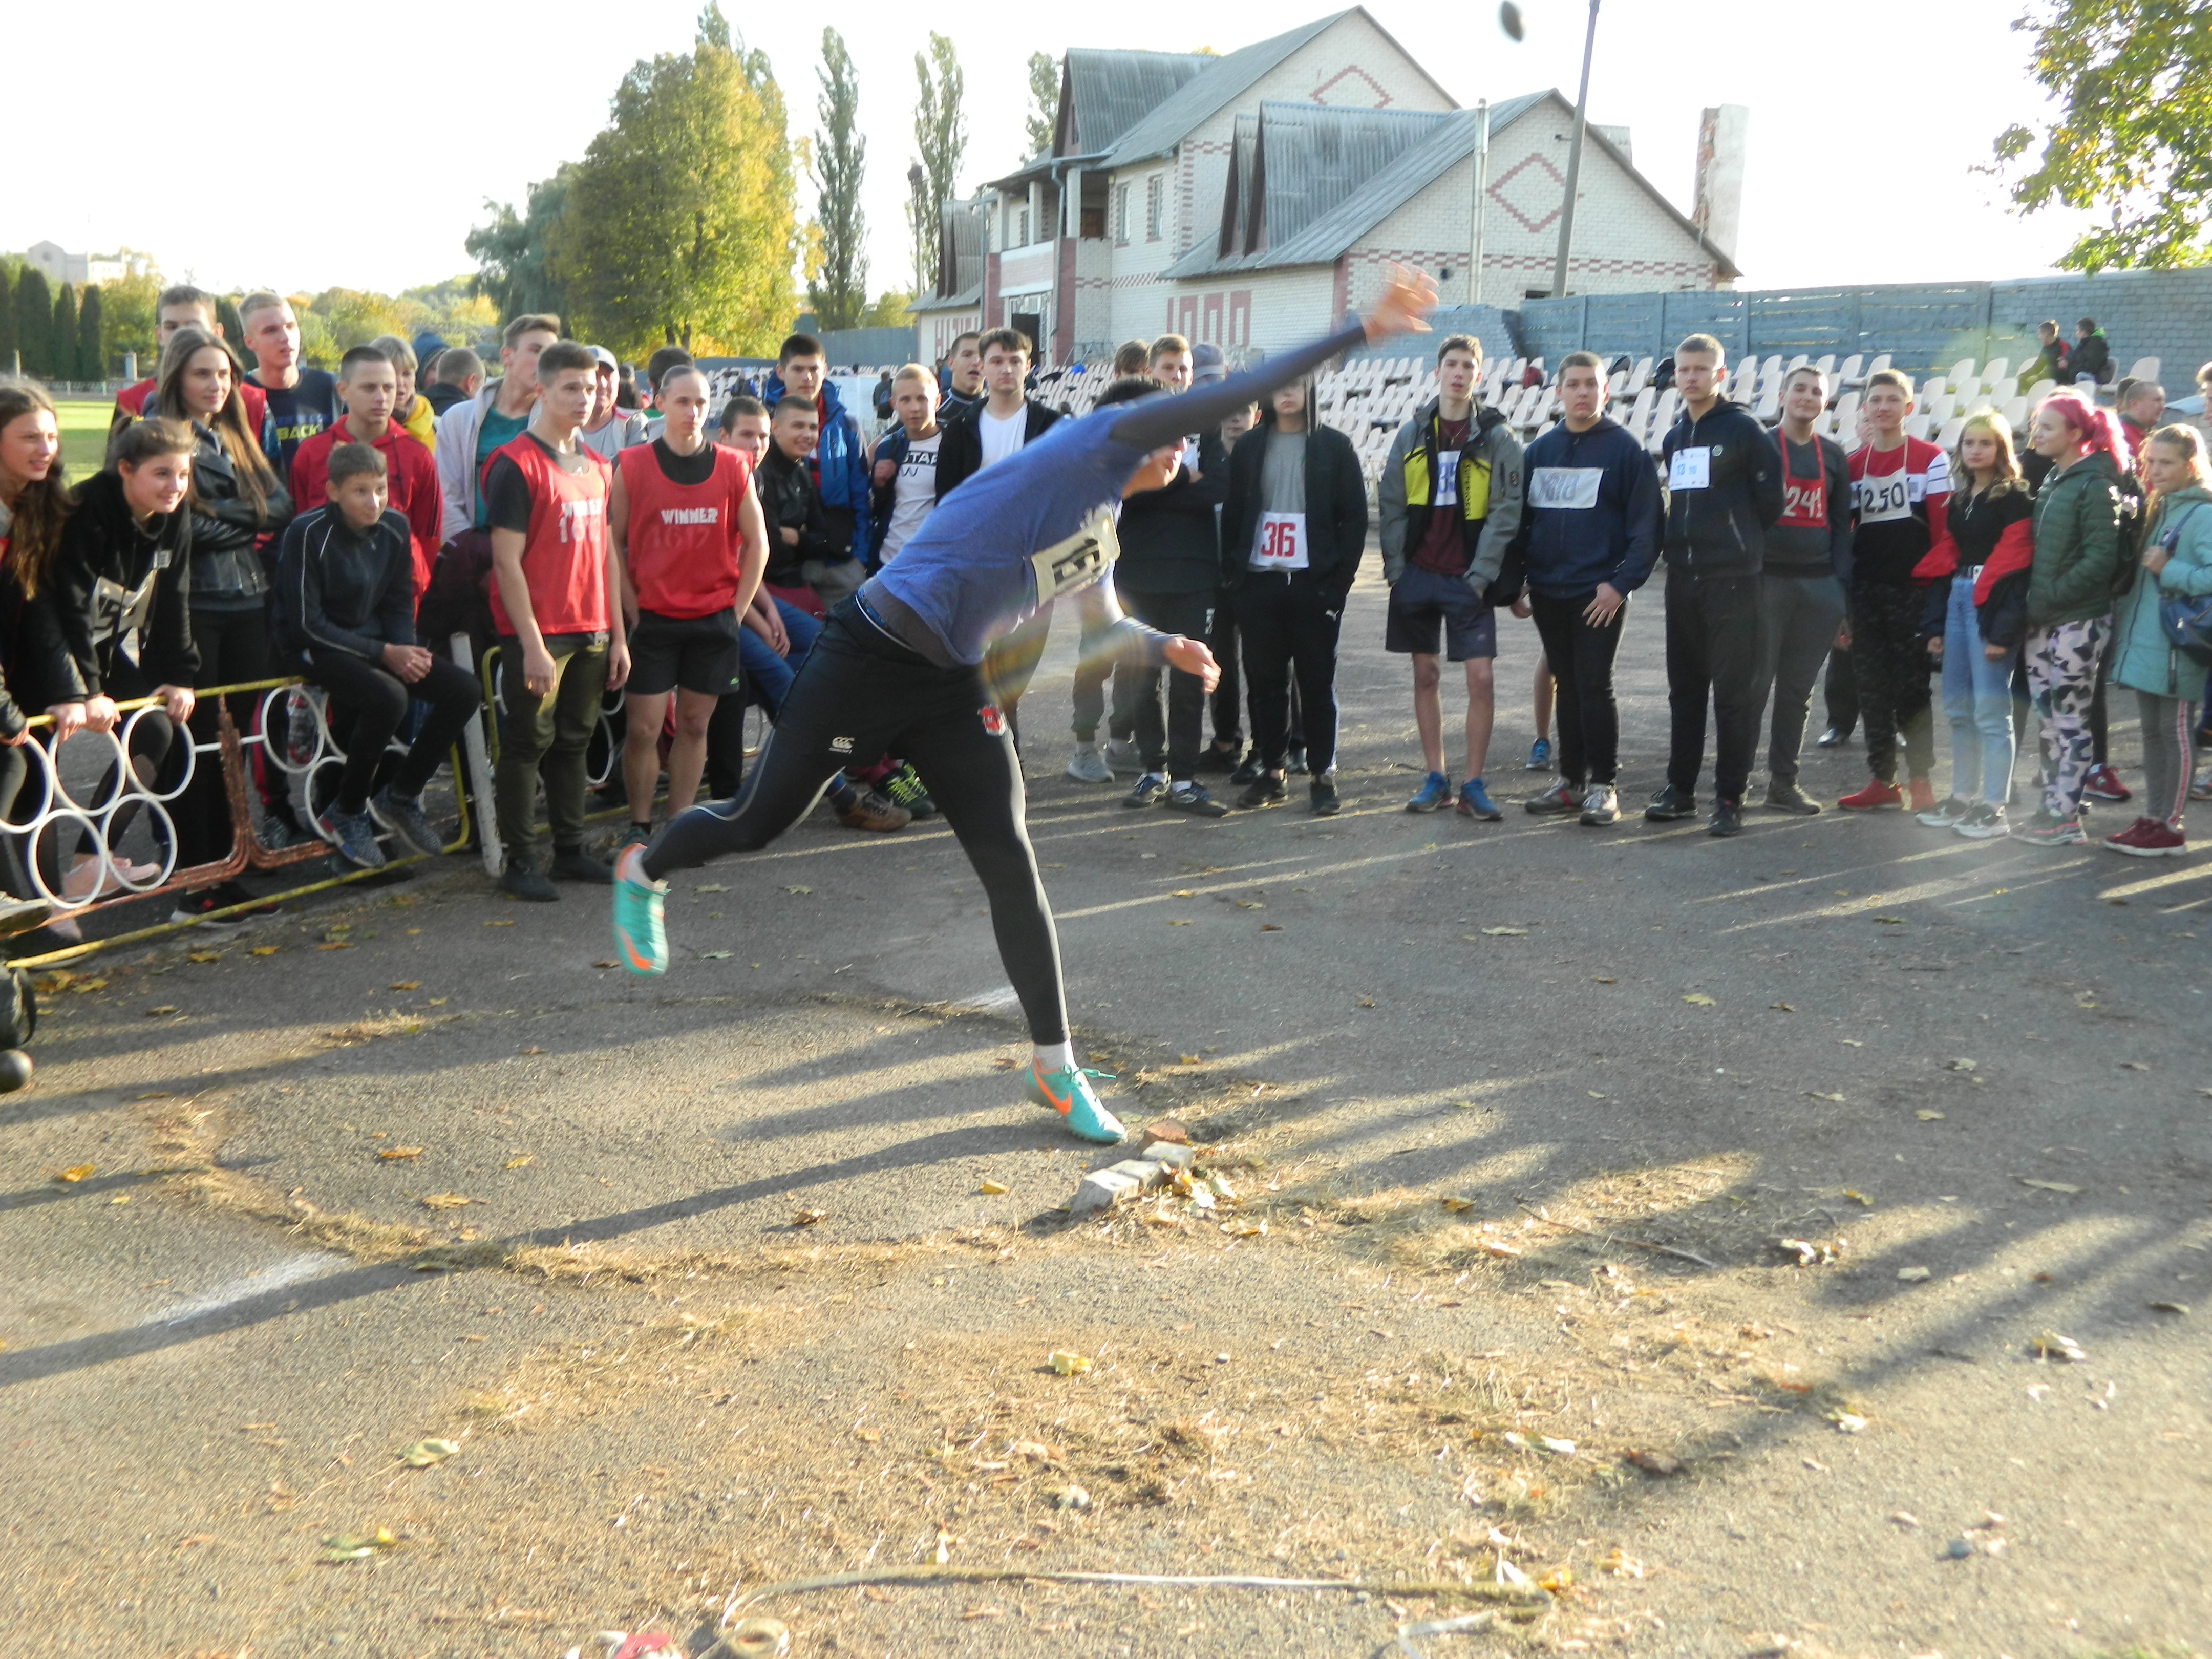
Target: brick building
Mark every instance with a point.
(1248, 199)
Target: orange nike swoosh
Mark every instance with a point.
(643, 964)
(1063, 1107)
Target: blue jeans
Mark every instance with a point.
(769, 677)
(1977, 700)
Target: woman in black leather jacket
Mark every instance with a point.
(237, 506)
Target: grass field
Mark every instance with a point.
(84, 436)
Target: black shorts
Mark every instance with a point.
(698, 654)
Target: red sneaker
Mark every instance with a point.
(1921, 795)
(2147, 838)
(2104, 784)
(1876, 793)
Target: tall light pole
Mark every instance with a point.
(1575, 162)
(1481, 191)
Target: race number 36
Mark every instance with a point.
(1280, 543)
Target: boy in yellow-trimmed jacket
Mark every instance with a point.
(1449, 498)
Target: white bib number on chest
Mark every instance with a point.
(1281, 542)
(1571, 489)
(1075, 563)
(1691, 469)
(1885, 499)
(1448, 477)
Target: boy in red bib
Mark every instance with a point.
(691, 544)
(561, 643)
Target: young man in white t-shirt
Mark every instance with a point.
(905, 471)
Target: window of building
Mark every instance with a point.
(1156, 201)
(1024, 225)
(1122, 215)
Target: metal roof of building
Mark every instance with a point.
(1106, 93)
(1226, 80)
(1310, 157)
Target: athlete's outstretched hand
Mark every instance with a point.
(1407, 299)
(1193, 658)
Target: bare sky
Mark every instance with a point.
(1867, 121)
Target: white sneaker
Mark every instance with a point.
(1089, 766)
(1120, 754)
(1601, 806)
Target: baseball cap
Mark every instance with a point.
(1205, 364)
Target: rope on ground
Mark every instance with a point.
(925, 1572)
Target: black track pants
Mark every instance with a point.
(861, 693)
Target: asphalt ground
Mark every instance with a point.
(705, 1280)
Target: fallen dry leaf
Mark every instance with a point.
(532, 1049)
(1004, 1063)
(807, 1218)
(1858, 1198)
(1188, 1060)
(710, 887)
(799, 890)
(1458, 1206)
(519, 1163)
(70, 1177)
(1505, 932)
(204, 956)
(990, 1188)
(406, 985)
(1699, 999)
(2133, 1065)
(263, 950)
(1929, 1117)
(2048, 1186)
(423, 1453)
(1066, 1362)
(156, 1012)
(1814, 1094)
(506, 922)
(1914, 1275)
(446, 1202)
(1604, 979)
(1957, 1065)
(1173, 923)
(1184, 892)
(610, 963)
(869, 1435)
(390, 1153)
(1783, 1006)
(1269, 927)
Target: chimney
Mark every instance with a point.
(1722, 136)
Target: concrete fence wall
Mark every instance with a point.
(2166, 315)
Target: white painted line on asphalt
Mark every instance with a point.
(290, 1271)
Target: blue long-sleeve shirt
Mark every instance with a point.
(1590, 512)
(1041, 523)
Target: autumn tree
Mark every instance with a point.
(837, 163)
(1044, 101)
(940, 140)
(679, 224)
(2132, 138)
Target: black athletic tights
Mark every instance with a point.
(861, 693)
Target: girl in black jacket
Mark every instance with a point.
(237, 506)
(35, 672)
(124, 567)
(1293, 532)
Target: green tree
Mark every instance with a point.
(127, 310)
(889, 311)
(1044, 101)
(510, 252)
(9, 345)
(680, 223)
(836, 166)
(62, 351)
(355, 317)
(2132, 139)
(91, 352)
(233, 326)
(35, 322)
(940, 138)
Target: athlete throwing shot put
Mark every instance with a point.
(897, 669)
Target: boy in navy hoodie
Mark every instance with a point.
(1589, 538)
